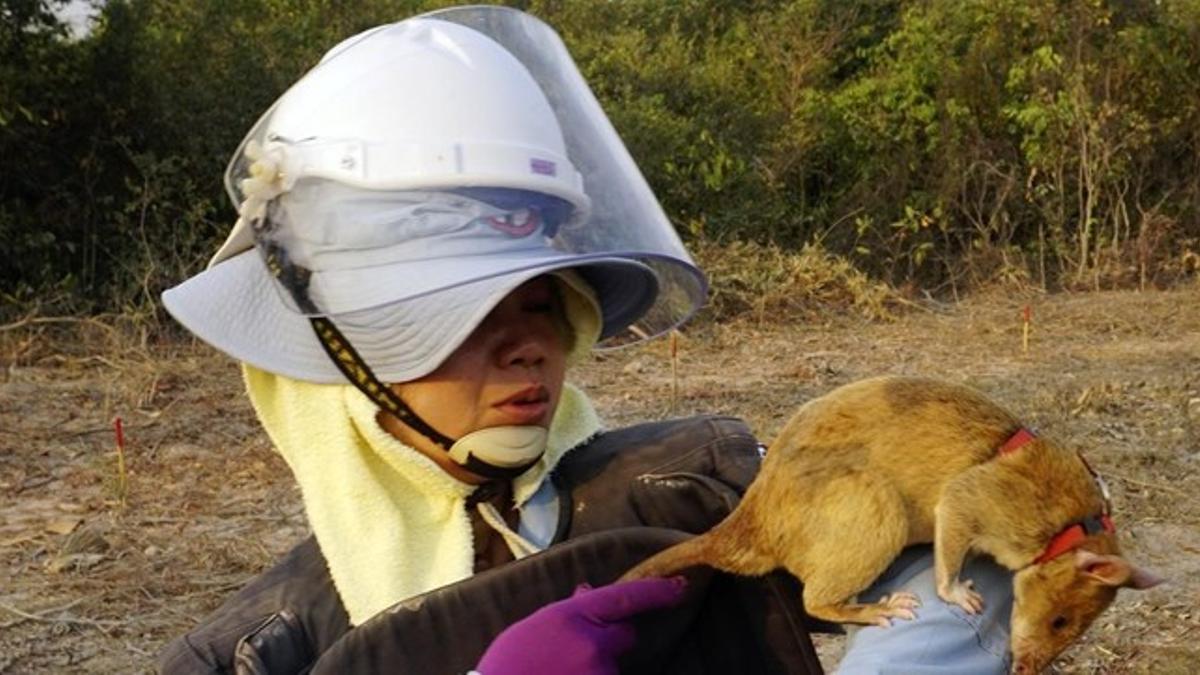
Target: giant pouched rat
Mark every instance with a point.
(875, 466)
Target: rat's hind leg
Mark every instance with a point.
(899, 605)
(855, 528)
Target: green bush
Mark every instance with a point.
(936, 144)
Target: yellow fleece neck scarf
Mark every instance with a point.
(390, 523)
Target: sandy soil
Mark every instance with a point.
(94, 585)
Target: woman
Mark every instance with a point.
(435, 222)
(413, 222)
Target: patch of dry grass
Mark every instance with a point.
(764, 282)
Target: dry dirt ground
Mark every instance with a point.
(94, 585)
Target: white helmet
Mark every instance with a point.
(422, 104)
(418, 105)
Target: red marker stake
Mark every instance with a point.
(119, 432)
(674, 342)
(1027, 316)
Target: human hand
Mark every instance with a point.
(585, 633)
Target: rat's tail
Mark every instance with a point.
(694, 551)
(725, 547)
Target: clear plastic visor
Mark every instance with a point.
(337, 234)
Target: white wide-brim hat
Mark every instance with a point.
(237, 307)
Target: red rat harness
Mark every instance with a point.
(1072, 535)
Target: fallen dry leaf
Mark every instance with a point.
(63, 525)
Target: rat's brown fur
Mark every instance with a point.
(877, 465)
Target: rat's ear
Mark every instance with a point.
(1113, 570)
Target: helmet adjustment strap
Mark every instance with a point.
(355, 369)
(295, 279)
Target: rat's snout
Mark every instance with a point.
(1025, 666)
(1025, 658)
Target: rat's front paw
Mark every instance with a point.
(898, 605)
(962, 593)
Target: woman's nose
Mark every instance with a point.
(526, 348)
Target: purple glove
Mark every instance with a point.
(583, 634)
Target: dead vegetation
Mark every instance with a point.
(97, 585)
(763, 282)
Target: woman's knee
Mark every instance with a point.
(943, 638)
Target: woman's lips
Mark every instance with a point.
(524, 413)
(528, 406)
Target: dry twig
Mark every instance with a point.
(1154, 486)
(39, 320)
(43, 617)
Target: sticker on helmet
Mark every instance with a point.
(544, 167)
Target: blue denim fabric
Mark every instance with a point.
(943, 640)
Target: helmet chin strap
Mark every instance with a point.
(497, 453)
(509, 450)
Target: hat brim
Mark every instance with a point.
(238, 308)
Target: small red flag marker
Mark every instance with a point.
(122, 484)
(674, 343)
(1027, 322)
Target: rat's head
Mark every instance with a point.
(1055, 601)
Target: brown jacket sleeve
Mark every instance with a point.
(726, 624)
(682, 474)
(281, 619)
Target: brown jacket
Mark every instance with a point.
(625, 495)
